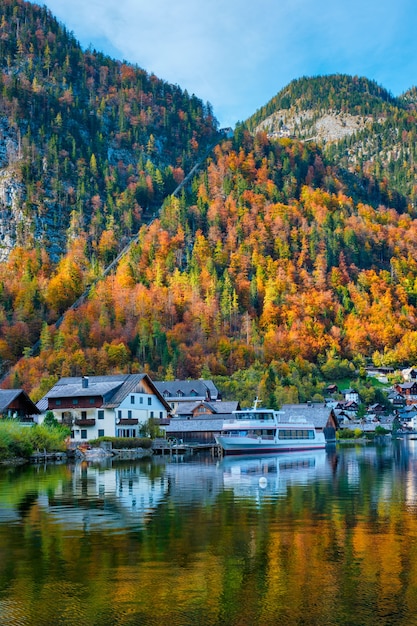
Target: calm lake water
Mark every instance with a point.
(322, 538)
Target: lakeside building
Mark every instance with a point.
(16, 403)
(200, 422)
(177, 392)
(98, 406)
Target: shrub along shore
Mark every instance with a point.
(19, 442)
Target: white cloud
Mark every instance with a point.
(237, 54)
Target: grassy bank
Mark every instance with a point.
(18, 441)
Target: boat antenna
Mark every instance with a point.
(255, 404)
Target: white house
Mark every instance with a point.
(350, 395)
(98, 406)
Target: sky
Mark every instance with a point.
(238, 54)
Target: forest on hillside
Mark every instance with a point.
(380, 156)
(266, 275)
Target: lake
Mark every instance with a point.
(321, 538)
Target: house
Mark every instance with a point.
(350, 395)
(331, 389)
(323, 418)
(98, 406)
(176, 392)
(408, 390)
(396, 399)
(200, 422)
(377, 409)
(343, 417)
(351, 406)
(16, 403)
(409, 375)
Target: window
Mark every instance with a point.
(91, 400)
(83, 415)
(140, 400)
(132, 399)
(129, 415)
(161, 415)
(75, 400)
(83, 433)
(57, 402)
(100, 414)
(149, 401)
(101, 432)
(151, 414)
(119, 415)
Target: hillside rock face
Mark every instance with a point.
(11, 215)
(308, 125)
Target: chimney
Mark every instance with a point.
(84, 382)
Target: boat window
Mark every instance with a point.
(251, 415)
(296, 434)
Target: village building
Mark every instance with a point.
(98, 406)
(408, 390)
(396, 399)
(17, 404)
(409, 375)
(331, 389)
(177, 392)
(350, 395)
(200, 422)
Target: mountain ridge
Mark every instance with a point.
(281, 261)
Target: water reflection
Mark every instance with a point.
(261, 476)
(323, 537)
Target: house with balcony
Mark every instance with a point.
(98, 406)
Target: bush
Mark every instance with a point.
(21, 441)
(346, 433)
(124, 443)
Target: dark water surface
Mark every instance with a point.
(322, 538)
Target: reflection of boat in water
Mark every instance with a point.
(260, 431)
(273, 474)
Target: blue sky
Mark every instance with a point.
(237, 54)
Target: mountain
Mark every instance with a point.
(287, 260)
(87, 143)
(362, 128)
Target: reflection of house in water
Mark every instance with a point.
(116, 498)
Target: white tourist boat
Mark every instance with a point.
(259, 431)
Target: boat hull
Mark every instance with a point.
(240, 445)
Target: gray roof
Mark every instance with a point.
(191, 389)
(7, 396)
(317, 414)
(130, 385)
(407, 385)
(194, 425)
(74, 388)
(218, 407)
